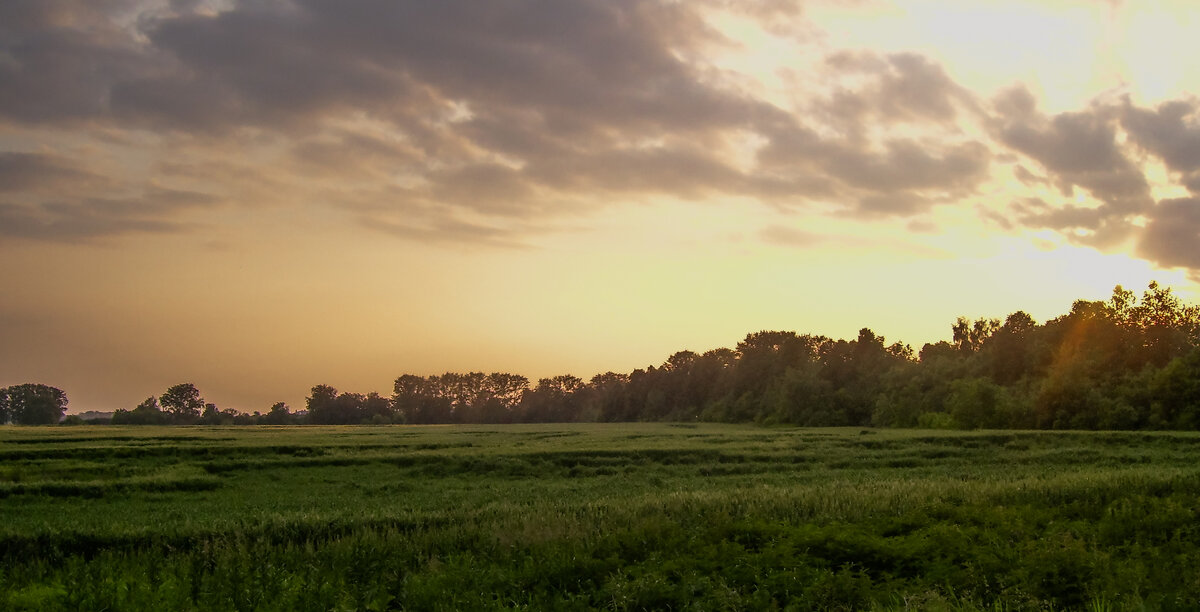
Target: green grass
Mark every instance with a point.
(621, 517)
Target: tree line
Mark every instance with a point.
(1128, 362)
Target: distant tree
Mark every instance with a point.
(5, 411)
(607, 396)
(971, 335)
(210, 415)
(322, 405)
(35, 404)
(146, 413)
(327, 407)
(408, 398)
(183, 403)
(375, 409)
(279, 414)
(554, 400)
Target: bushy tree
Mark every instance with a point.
(33, 404)
(183, 403)
(146, 413)
(279, 414)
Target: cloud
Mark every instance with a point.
(88, 219)
(1171, 132)
(1078, 149)
(20, 171)
(791, 237)
(59, 59)
(481, 120)
(1172, 235)
(900, 87)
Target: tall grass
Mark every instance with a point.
(620, 517)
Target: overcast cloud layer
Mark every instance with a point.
(461, 121)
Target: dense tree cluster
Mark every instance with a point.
(32, 404)
(1124, 363)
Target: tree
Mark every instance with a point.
(279, 414)
(327, 407)
(146, 413)
(970, 335)
(5, 412)
(1009, 351)
(376, 409)
(183, 403)
(554, 400)
(1176, 390)
(34, 404)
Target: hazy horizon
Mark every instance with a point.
(261, 196)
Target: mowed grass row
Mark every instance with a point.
(622, 517)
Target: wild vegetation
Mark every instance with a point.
(597, 516)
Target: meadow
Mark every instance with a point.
(596, 516)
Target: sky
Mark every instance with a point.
(259, 196)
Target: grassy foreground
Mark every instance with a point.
(621, 517)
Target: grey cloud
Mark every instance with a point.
(903, 87)
(492, 188)
(21, 171)
(1078, 149)
(1025, 176)
(1172, 235)
(897, 204)
(60, 58)
(93, 218)
(681, 171)
(1172, 132)
(442, 228)
(906, 164)
(578, 63)
(507, 109)
(901, 177)
(351, 155)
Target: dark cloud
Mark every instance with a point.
(897, 204)
(1171, 132)
(907, 165)
(1028, 178)
(901, 87)
(507, 111)
(1083, 150)
(59, 59)
(88, 219)
(902, 176)
(21, 171)
(1077, 149)
(1172, 235)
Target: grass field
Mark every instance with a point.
(621, 517)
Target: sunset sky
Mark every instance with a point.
(257, 196)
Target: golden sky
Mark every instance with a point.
(258, 196)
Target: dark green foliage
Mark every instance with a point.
(32, 404)
(146, 413)
(182, 403)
